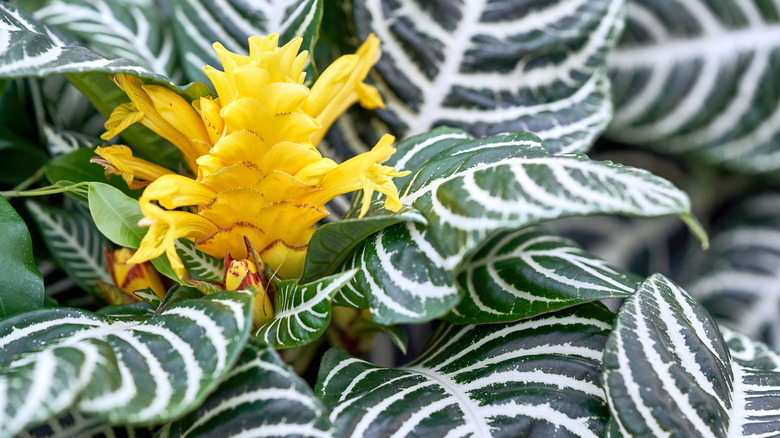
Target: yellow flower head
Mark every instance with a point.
(253, 153)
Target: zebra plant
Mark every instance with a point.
(494, 105)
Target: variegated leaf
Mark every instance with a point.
(469, 189)
(260, 396)
(301, 312)
(538, 377)
(693, 76)
(117, 29)
(60, 142)
(74, 424)
(119, 370)
(332, 243)
(668, 372)
(494, 66)
(748, 352)
(524, 273)
(738, 280)
(200, 23)
(75, 243)
(200, 265)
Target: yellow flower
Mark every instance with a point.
(131, 277)
(119, 160)
(253, 153)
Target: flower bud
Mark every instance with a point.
(131, 277)
(240, 275)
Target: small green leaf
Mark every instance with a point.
(200, 265)
(21, 285)
(116, 215)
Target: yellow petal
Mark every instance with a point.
(119, 159)
(208, 110)
(120, 119)
(174, 191)
(179, 113)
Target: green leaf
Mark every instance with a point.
(493, 67)
(149, 297)
(200, 265)
(19, 158)
(60, 141)
(538, 377)
(116, 29)
(737, 280)
(75, 243)
(676, 89)
(332, 243)
(301, 312)
(668, 372)
(118, 370)
(520, 274)
(74, 424)
(200, 23)
(116, 215)
(261, 396)
(21, 285)
(469, 190)
(75, 167)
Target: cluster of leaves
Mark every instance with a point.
(523, 346)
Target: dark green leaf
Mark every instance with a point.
(21, 285)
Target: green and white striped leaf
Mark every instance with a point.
(60, 142)
(75, 243)
(260, 396)
(471, 189)
(491, 67)
(748, 352)
(668, 372)
(200, 265)
(200, 23)
(694, 76)
(116, 29)
(524, 273)
(301, 312)
(538, 377)
(74, 424)
(121, 371)
(738, 280)
(333, 242)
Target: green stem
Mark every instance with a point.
(31, 180)
(48, 190)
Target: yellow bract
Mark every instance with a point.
(253, 153)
